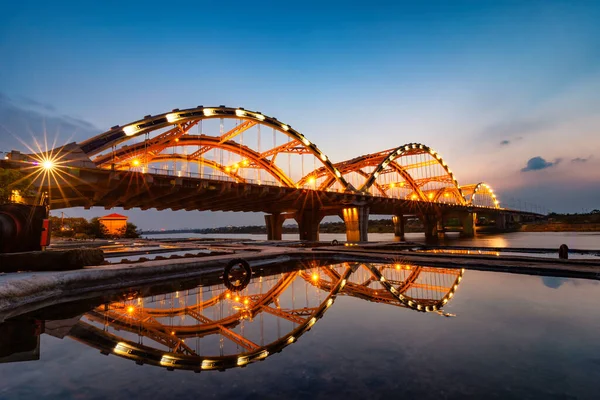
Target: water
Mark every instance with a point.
(575, 240)
(452, 334)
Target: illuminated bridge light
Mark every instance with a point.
(173, 117)
(240, 113)
(285, 127)
(131, 130)
(208, 112)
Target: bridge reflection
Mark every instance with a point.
(218, 326)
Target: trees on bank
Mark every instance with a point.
(13, 183)
(80, 228)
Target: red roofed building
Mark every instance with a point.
(115, 223)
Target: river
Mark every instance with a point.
(550, 240)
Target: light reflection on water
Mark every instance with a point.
(341, 330)
(552, 240)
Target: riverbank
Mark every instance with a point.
(560, 227)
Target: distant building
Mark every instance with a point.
(114, 223)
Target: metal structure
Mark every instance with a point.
(214, 328)
(232, 159)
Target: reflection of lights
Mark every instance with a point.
(167, 360)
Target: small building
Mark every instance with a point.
(115, 223)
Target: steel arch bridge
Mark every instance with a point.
(253, 147)
(167, 160)
(215, 328)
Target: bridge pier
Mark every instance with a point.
(430, 224)
(357, 223)
(308, 224)
(467, 220)
(398, 221)
(501, 222)
(274, 224)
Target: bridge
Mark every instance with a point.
(213, 327)
(254, 163)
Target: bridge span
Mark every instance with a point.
(256, 163)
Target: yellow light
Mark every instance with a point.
(260, 117)
(172, 117)
(311, 179)
(338, 174)
(228, 295)
(208, 112)
(315, 277)
(430, 195)
(227, 169)
(305, 141)
(240, 113)
(392, 185)
(285, 127)
(246, 301)
(136, 163)
(130, 130)
(397, 266)
(446, 194)
(245, 163)
(47, 164)
(323, 157)
(413, 197)
(130, 309)
(237, 298)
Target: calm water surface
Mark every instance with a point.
(314, 331)
(575, 240)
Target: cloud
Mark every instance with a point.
(580, 160)
(538, 163)
(21, 119)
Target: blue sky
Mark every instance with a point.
(490, 85)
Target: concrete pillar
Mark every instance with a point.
(467, 220)
(501, 222)
(308, 224)
(274, 224)
(357, 223)
(430, 223)
(398, 221)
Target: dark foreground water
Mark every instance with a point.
(309, 331)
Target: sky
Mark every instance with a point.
(507, 91)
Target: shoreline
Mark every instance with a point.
(26, 292)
